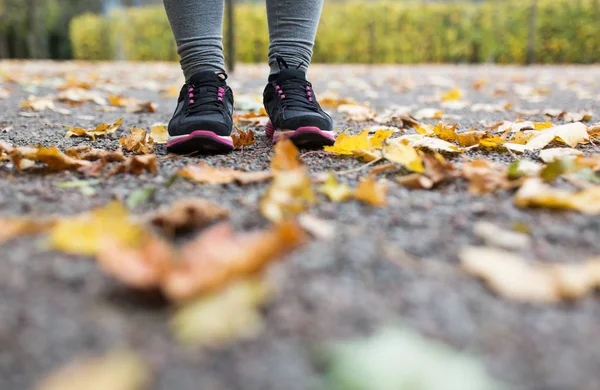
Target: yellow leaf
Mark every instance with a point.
(379, 138)
(371, 192)
(118, 100)
(101, 130)
(117, 370)
(204, 173)
(542, 125)
(231, 314)
(290, 193)
(335, 191)
(84, 233)
(404, 155)
(360, 145)
(454, 94)
(286, 157)
(159, 133)
(534, 193)
(448, 133)
(346, 144)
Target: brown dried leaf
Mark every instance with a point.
(138, 141)
(20, 226)
(103, 129)
(485, 177)
(187, 214)
(135, 107)
(243, 138)
(204, 173)
(219, 255)
(136, 165)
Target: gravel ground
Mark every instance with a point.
(54, 307)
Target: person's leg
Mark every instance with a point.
(289, 97)
(198, 29)
(203, 119)
(292, 29)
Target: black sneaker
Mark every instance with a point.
(294, 111)
(202, 121)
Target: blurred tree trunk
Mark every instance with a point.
(37, 42)
(3, 29)
(530, 56)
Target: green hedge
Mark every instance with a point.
(374, 32)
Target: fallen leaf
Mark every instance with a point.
(140, 196)
(286, 157)
(231, 314)
(398, 358)
(334, 190)
(204, 173)
(38, 103)
(485, 177)
(52, 157)
(290, 193)
(14, 227)
(420, 141)
(534, 193)
(136, 107)
(77, 96)
(429, 113)
(333, 100)
(83, 233)
(136, 165)
(118, 100)
(159, 133)
(360, 145)
(448, 133)
(404, 155)
(104, 129)
(138, 141)
(116, 370)
(357, 113)
(317, 227)
(550, 155)
(219, 255)
(493, 235)
(142, 264)
(371, 192)
(453, 94)
(243, 138)
(571, 134)
(187, 214)
(513, 277)
(86, 152)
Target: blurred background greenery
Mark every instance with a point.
(381, 31)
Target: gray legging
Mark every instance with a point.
(198, 29)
